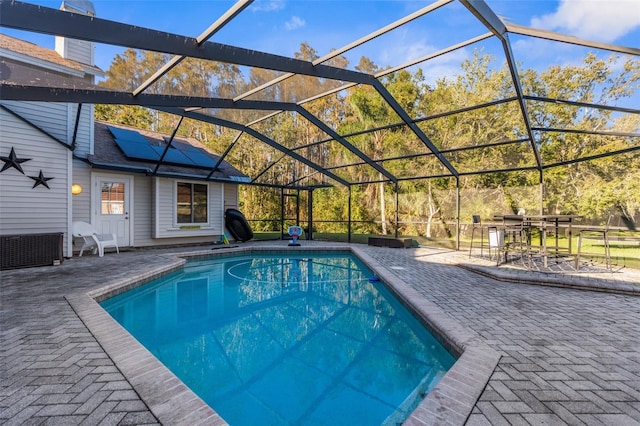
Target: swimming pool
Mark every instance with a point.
(301, 339)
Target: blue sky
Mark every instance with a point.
(279, 26)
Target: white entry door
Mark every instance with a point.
(111, 197)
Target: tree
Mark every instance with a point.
(473, 139)
(601, 81)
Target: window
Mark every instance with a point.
(192, 202)
(112, 198)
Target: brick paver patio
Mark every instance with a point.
(568, 356)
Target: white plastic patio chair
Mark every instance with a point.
(92, 240)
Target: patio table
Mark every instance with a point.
(556, 220)
(541, 222)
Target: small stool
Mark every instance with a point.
(518, 241)
(605, 238)
(477, 224)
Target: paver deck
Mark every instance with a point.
(568, 356)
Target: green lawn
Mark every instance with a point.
(623, 252)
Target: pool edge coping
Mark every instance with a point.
(454, 396)
(172, 402)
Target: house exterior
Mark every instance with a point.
(145, 204)
(47, 147)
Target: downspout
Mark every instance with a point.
(75, 128)
(72, 148)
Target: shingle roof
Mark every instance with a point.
(32, 50)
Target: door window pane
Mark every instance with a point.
(112, 198)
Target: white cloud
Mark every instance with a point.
(538, 54)
(415, 50)
(399, 47)
(447, 66)
(403, 47)
(603, 20)
(433, 69)
(294, 22)
(267, 5)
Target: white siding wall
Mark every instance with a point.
(165, 226)
(143, 211)
(81, 203)
(51, 117)
(216, 207)
(76, 50)
(24, 209)
(58, 119)
(84, 137)
(230, 196)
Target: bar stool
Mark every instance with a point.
(544, 252)
(605, 238)
(517, 239)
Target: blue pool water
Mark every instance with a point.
(306, 339)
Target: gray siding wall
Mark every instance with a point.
(143, 209)
(59, 120)
(76, 50)
(230, 196)
(165, 215)
(23, 208)
(51, 117)
(81, 203)
(154, 210)
(84, 136)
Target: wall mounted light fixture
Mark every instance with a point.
(76, 189)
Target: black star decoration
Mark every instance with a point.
(40, 180)
(13, 161)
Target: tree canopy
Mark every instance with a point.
(474, 119)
